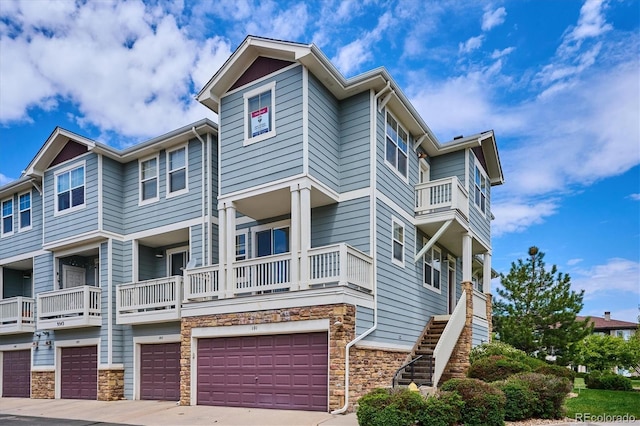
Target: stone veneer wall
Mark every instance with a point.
(43, 384)
(489, 315)
(111, 385)
(458, 364)
(339, 336)
(370, 369)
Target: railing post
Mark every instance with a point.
(344, 276)
(87, 301)
(20, 310)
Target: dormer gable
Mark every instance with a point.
(261, 67)
(62, 145)
(71, 150)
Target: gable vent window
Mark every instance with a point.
(70, 189)
(396, 146)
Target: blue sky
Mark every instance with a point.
(558, 81)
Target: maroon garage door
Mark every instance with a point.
(79, 373)
(160, 372)
(16, 374)
(277, 371)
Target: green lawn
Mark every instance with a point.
(598, 402)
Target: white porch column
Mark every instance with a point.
(230, 247)
(305, 235)
(295, 237)
(222, 248)
(466, 257)
(486, 273)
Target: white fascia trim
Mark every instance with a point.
(16, 347)
(76, 240)
(396, 208)
(75, 249)
(325, 296)
(305, 120)
(103, 367)
(160, 338)
(355, 194)
(258, 189)
(287, 327)
(384, 346)
(163, 229)
(43, 368)
(78, 342)
(23, 256)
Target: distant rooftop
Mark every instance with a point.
(608, 323)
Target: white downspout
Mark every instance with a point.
(209, 199)
(372, 219)
(204, 220)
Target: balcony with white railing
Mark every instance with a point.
(69, 308)
(17, 315)
(442, 195)
(149, 301)
(329, 266)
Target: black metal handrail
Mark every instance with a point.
(410, 363)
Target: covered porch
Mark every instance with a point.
(17, 313)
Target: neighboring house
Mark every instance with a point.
(293, 256)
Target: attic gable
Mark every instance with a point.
(261, 67)
(71, 150)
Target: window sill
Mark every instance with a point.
(259, 138)
(57, 213)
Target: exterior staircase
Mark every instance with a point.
(420, 371)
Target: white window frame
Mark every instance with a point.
(403, 243)
(431, 252)
(483, 190)
(273, 225)
(20, 211)
(243, 233)
(248, 140)
(6, 234)
(57, 174)
(141, 181)
(169, 171)
(170, 252)
(394, 167)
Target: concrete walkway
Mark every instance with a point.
(167, 413)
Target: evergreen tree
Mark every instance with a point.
(536, 310)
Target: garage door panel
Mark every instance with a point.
(79, 372)
(291, 371)
(160, 371)
(16, 374)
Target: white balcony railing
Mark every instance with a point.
(69, 308)
(442, 195)
(148, 301)
(337, 265)
(447, 342)
(17, 315)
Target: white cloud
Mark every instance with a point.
(635, 197)
(471, 44)
(500, 53)
(572, 262)
(494, 18)
(5, 179)
(616, 274)
(512, 217)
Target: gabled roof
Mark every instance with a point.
(321, 67)
(609, 324)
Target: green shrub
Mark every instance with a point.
(496, 367)
(495, 348)
(520, 399)
(385, 407)
(550, 392)
(555, 370)
(608, 380)
(442, 409)
(483, 403)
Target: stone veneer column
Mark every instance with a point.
(111, 384)
(489, 315)
(43, 384)
(459, 362)
(342, 318)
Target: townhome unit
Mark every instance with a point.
(295, 255)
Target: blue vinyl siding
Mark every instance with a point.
(400, 289)
(389, 182)
(26, 241)
(272, 159)
(355, 157)
(196, 245)
(165, 211)
(480, 334)
(324, 135)
(105, 265)
(112, 190)
(479, 222)
(364, 319)
(14, 284)
(118, 275)
(448, 165)
(344, 222)
(75, 222)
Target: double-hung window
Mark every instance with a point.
(481, 187)
(241, 246)
(432, 268)
(259, 113)
(177, 171)
(397, 141)
(272, 241)
(7, 217)
(70, 189)
(397, 245)
(149, 180)
(24, 205)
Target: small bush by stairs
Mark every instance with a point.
(423, 368)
